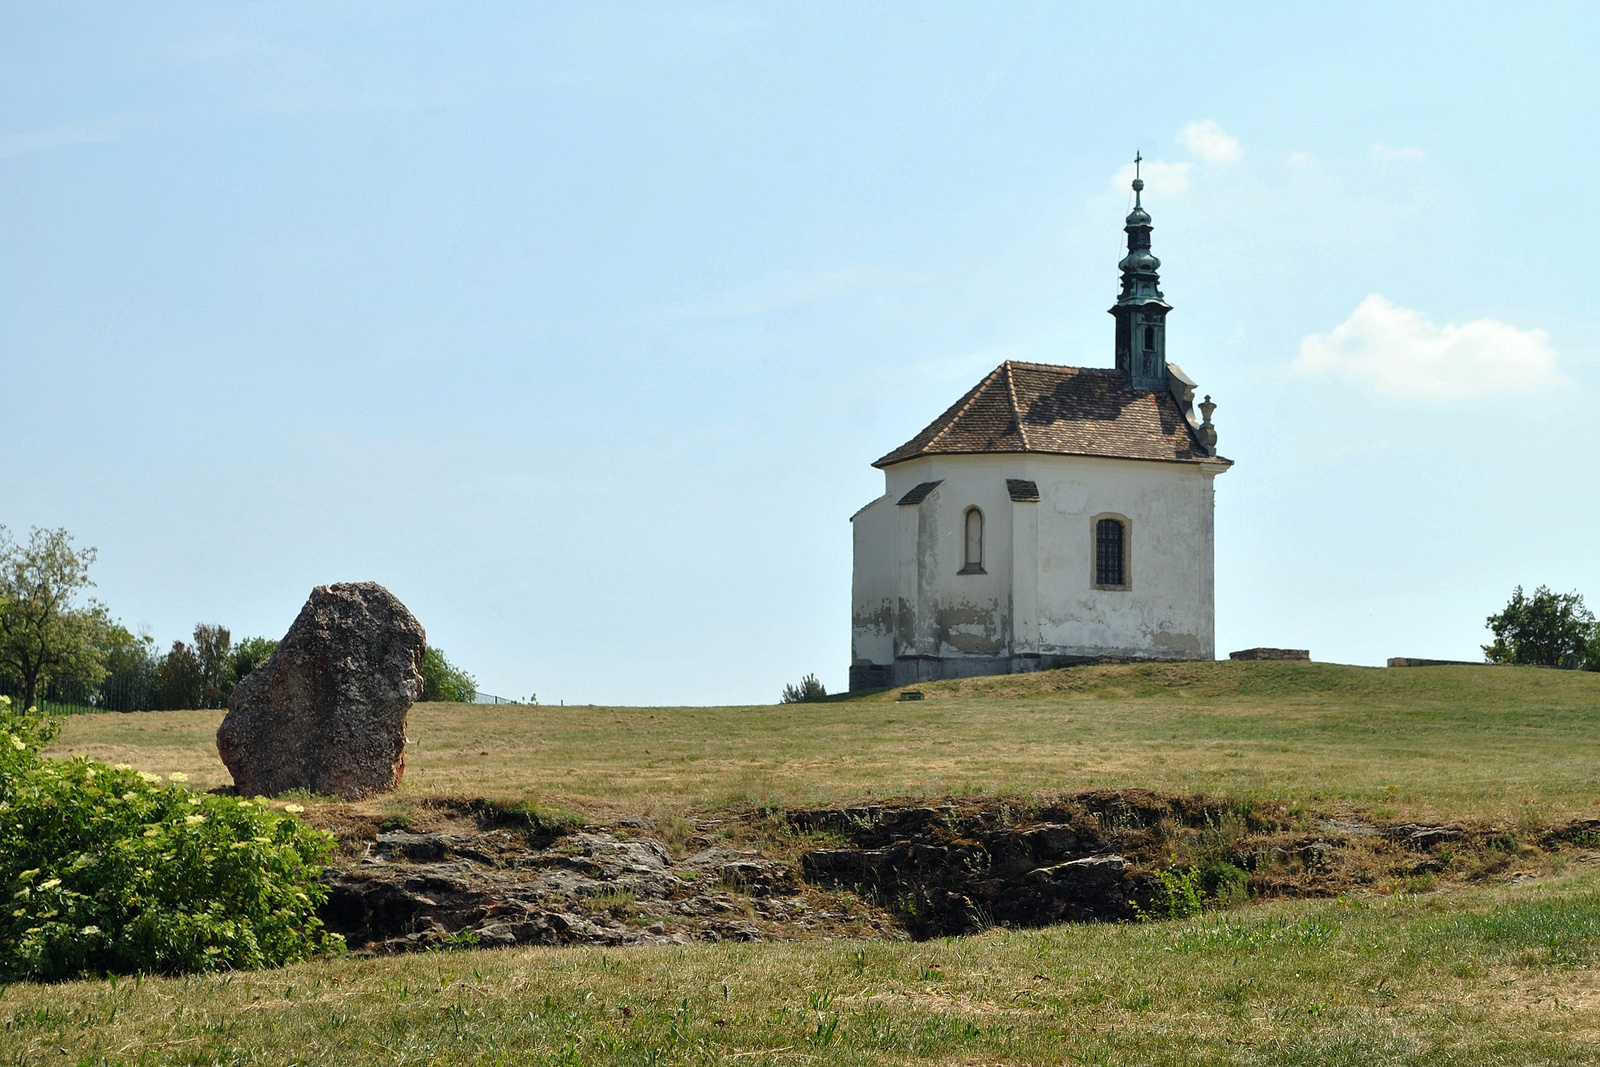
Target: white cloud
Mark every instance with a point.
(1400, 352)
(1302, 161)
(1210, 143)
(1159, 177)
(1410, 154)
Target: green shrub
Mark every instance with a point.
(1180, 893)
(251, 653)
(106, 870)
(443, 680)
(808, 691)
(1225, 883)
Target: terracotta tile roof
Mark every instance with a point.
(1072, 411)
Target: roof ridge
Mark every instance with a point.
(972, 398)
(1016, 411)
(1066, 367)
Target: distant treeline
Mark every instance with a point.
(196, 674)
(55, 651)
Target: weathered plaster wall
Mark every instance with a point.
(872, 592)
(1033, 604)
(1168, 610)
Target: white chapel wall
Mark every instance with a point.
(872, 586)
(1168, 610)
(910, 600)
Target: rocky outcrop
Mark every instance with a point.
(590, 887)
(457, 872)
(327, 711)
(947, 872)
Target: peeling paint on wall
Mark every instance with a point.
(881, 620)
(953, 622)
(1177, 642)
(967, 628)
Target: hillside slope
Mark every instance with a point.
(1428, 743)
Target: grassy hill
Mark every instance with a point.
(1504, 973)
(1483, 743)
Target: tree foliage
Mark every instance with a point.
(1544, 630)
(442, 680)
(43, 634)
(213, 649)
(200, 675)
(130, 680)
(251, 653)
(203, 674)
(808, 691)
(178, 681)
(138, 677)
(109, 870)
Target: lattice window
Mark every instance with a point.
(1110, 555)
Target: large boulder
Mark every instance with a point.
(327, 711)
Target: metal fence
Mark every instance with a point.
(114, 694)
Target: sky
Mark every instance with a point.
(579, 326)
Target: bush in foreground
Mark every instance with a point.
(106, 870)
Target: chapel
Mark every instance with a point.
(1052, 516)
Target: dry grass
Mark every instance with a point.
(1492, 744)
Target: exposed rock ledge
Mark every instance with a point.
(420, 890)
(471, 876)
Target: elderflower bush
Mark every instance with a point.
(109, 870)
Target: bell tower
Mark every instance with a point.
(1140, 311)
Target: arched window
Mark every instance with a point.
(1111, 553)
(974, 539)
(1149, 338)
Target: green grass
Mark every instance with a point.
(1492, 975)
(1501, 744)
(50, 707)
(1483, 978)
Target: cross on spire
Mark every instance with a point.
(1138, 182)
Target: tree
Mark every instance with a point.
(251, 653)
(1544, 630)
(442, 680)
(131, 663)
(179, 680)
(200, 675)
(213, 650)
(808, 691)
(42, 634)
